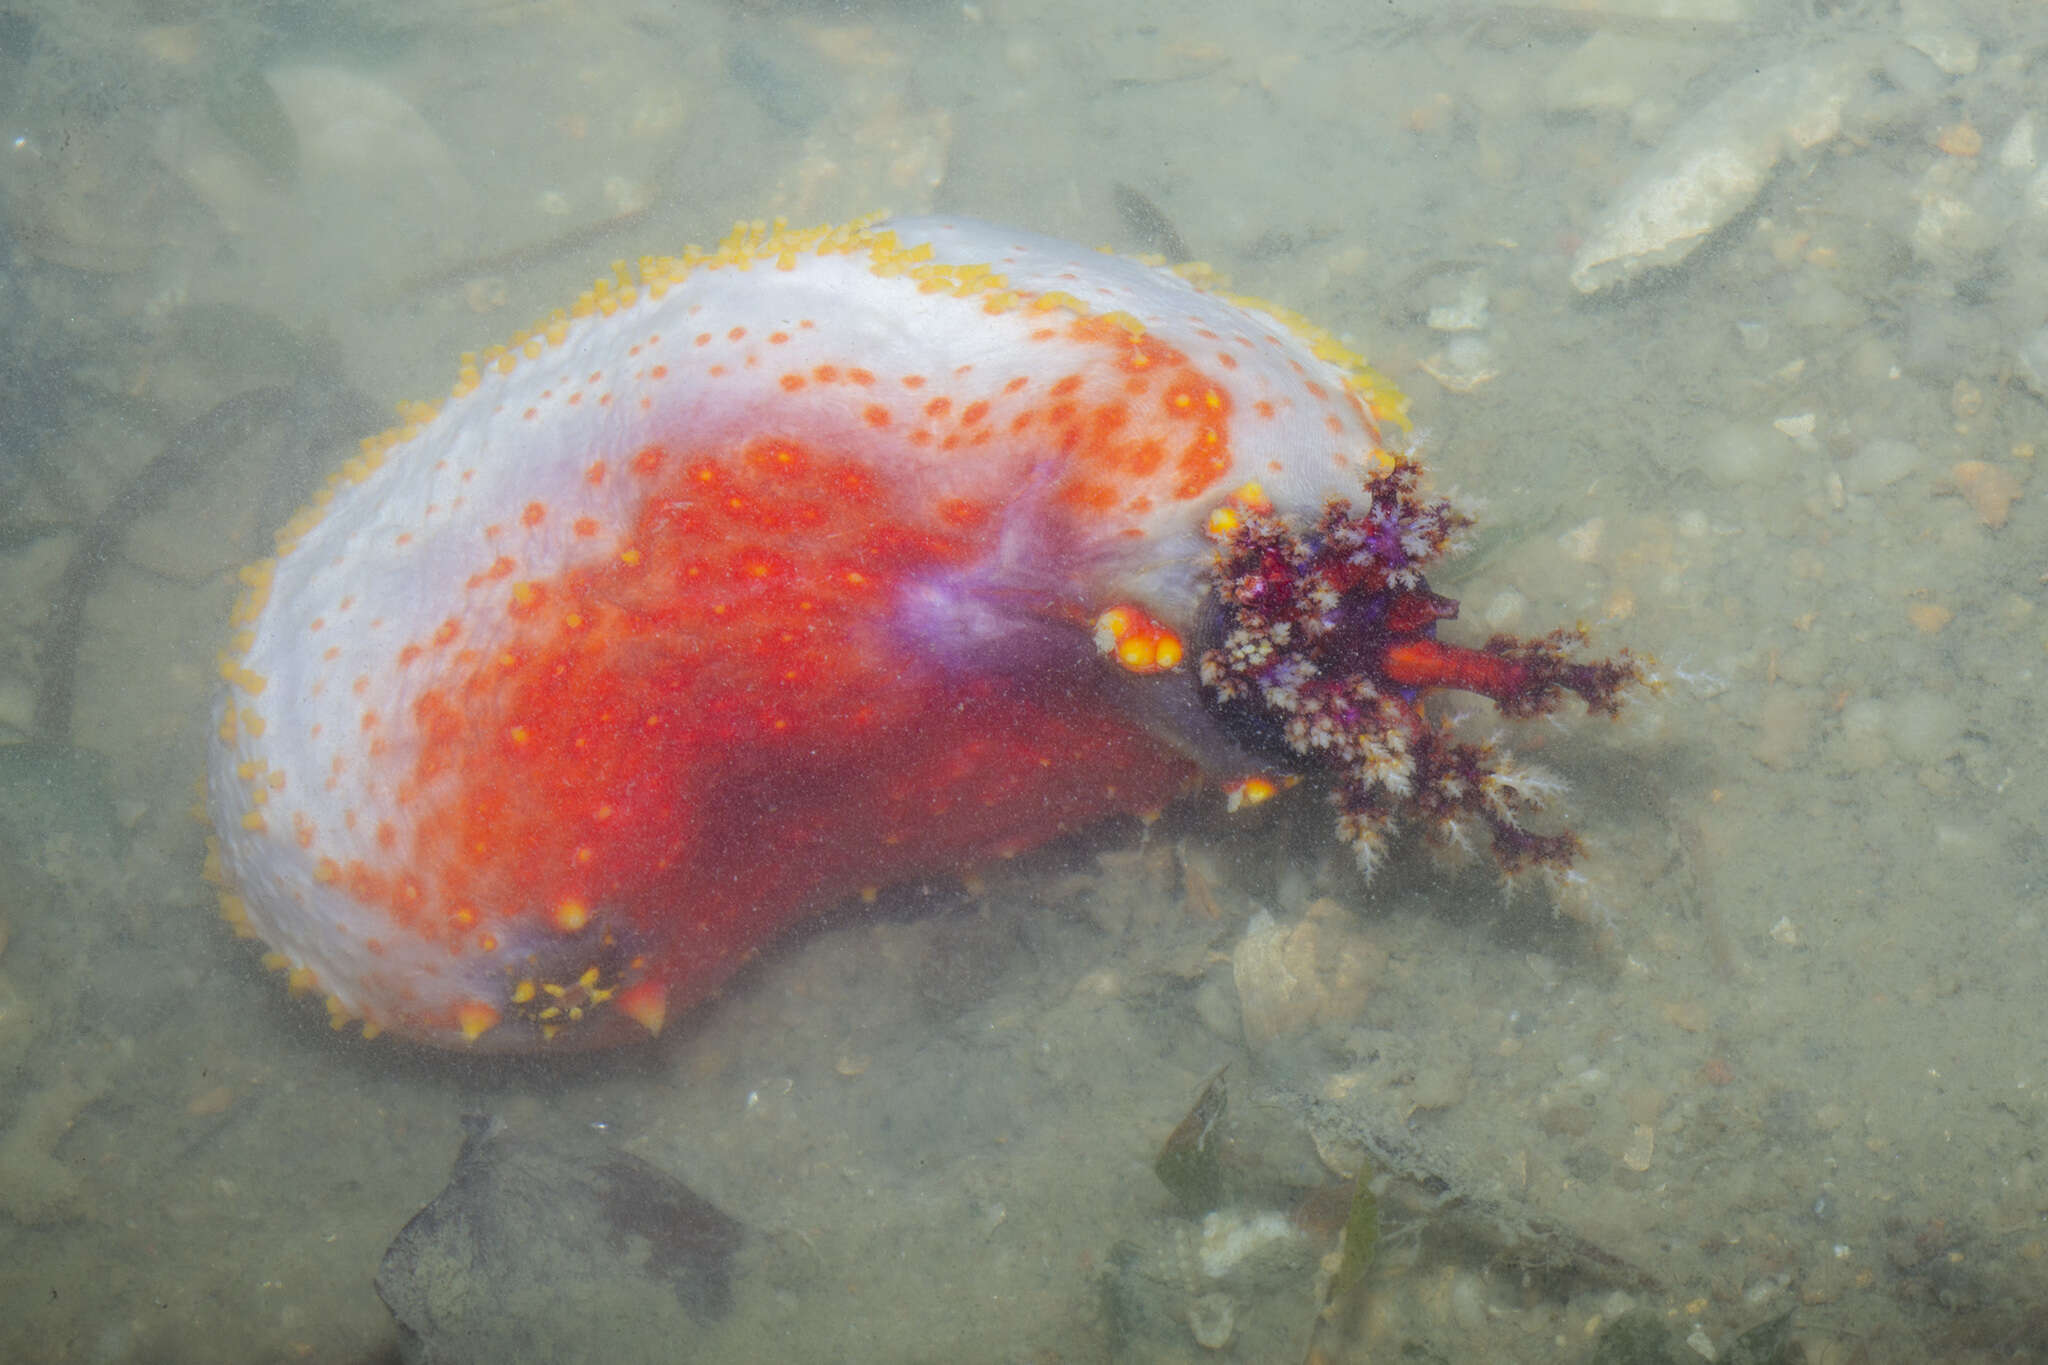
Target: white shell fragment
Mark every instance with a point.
(1213, 1320)
(1713, 166)
(1291, 978)
(1642, 1145)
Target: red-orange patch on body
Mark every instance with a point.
(730, 731)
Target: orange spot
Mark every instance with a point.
(646, 1005)
(533, 515)
(594, 475)
(475, 1019)
(1095, 497)
(875, 415)
(1250, 791)
(585, 527)
(963, 513)
(1139, 641)
(791, 382)
(860, 377)
(527, 598)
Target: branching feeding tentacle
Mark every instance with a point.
(1329, 640)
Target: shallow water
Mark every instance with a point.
(1790, 1059)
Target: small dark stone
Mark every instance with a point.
(1638, 1337)
(557, 1249)
(1588, 1163)
(1767, 1343)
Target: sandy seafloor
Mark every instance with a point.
(1795, 1061)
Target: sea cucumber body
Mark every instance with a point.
(762, 582)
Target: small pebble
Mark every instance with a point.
(1745, 453)
(1989, 489)
(1926, 728)
(214, 1101)
(1929, 618)
(1213, 1320)
(1642, 1145)
(2017, 152)
(1880, 464)
(1961, 139)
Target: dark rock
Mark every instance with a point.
(557, 1249)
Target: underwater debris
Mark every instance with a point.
(1361, 1234)
(228, 423)
(1189, 1164)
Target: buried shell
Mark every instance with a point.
(1714, 165)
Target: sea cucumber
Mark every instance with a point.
(813, 563)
